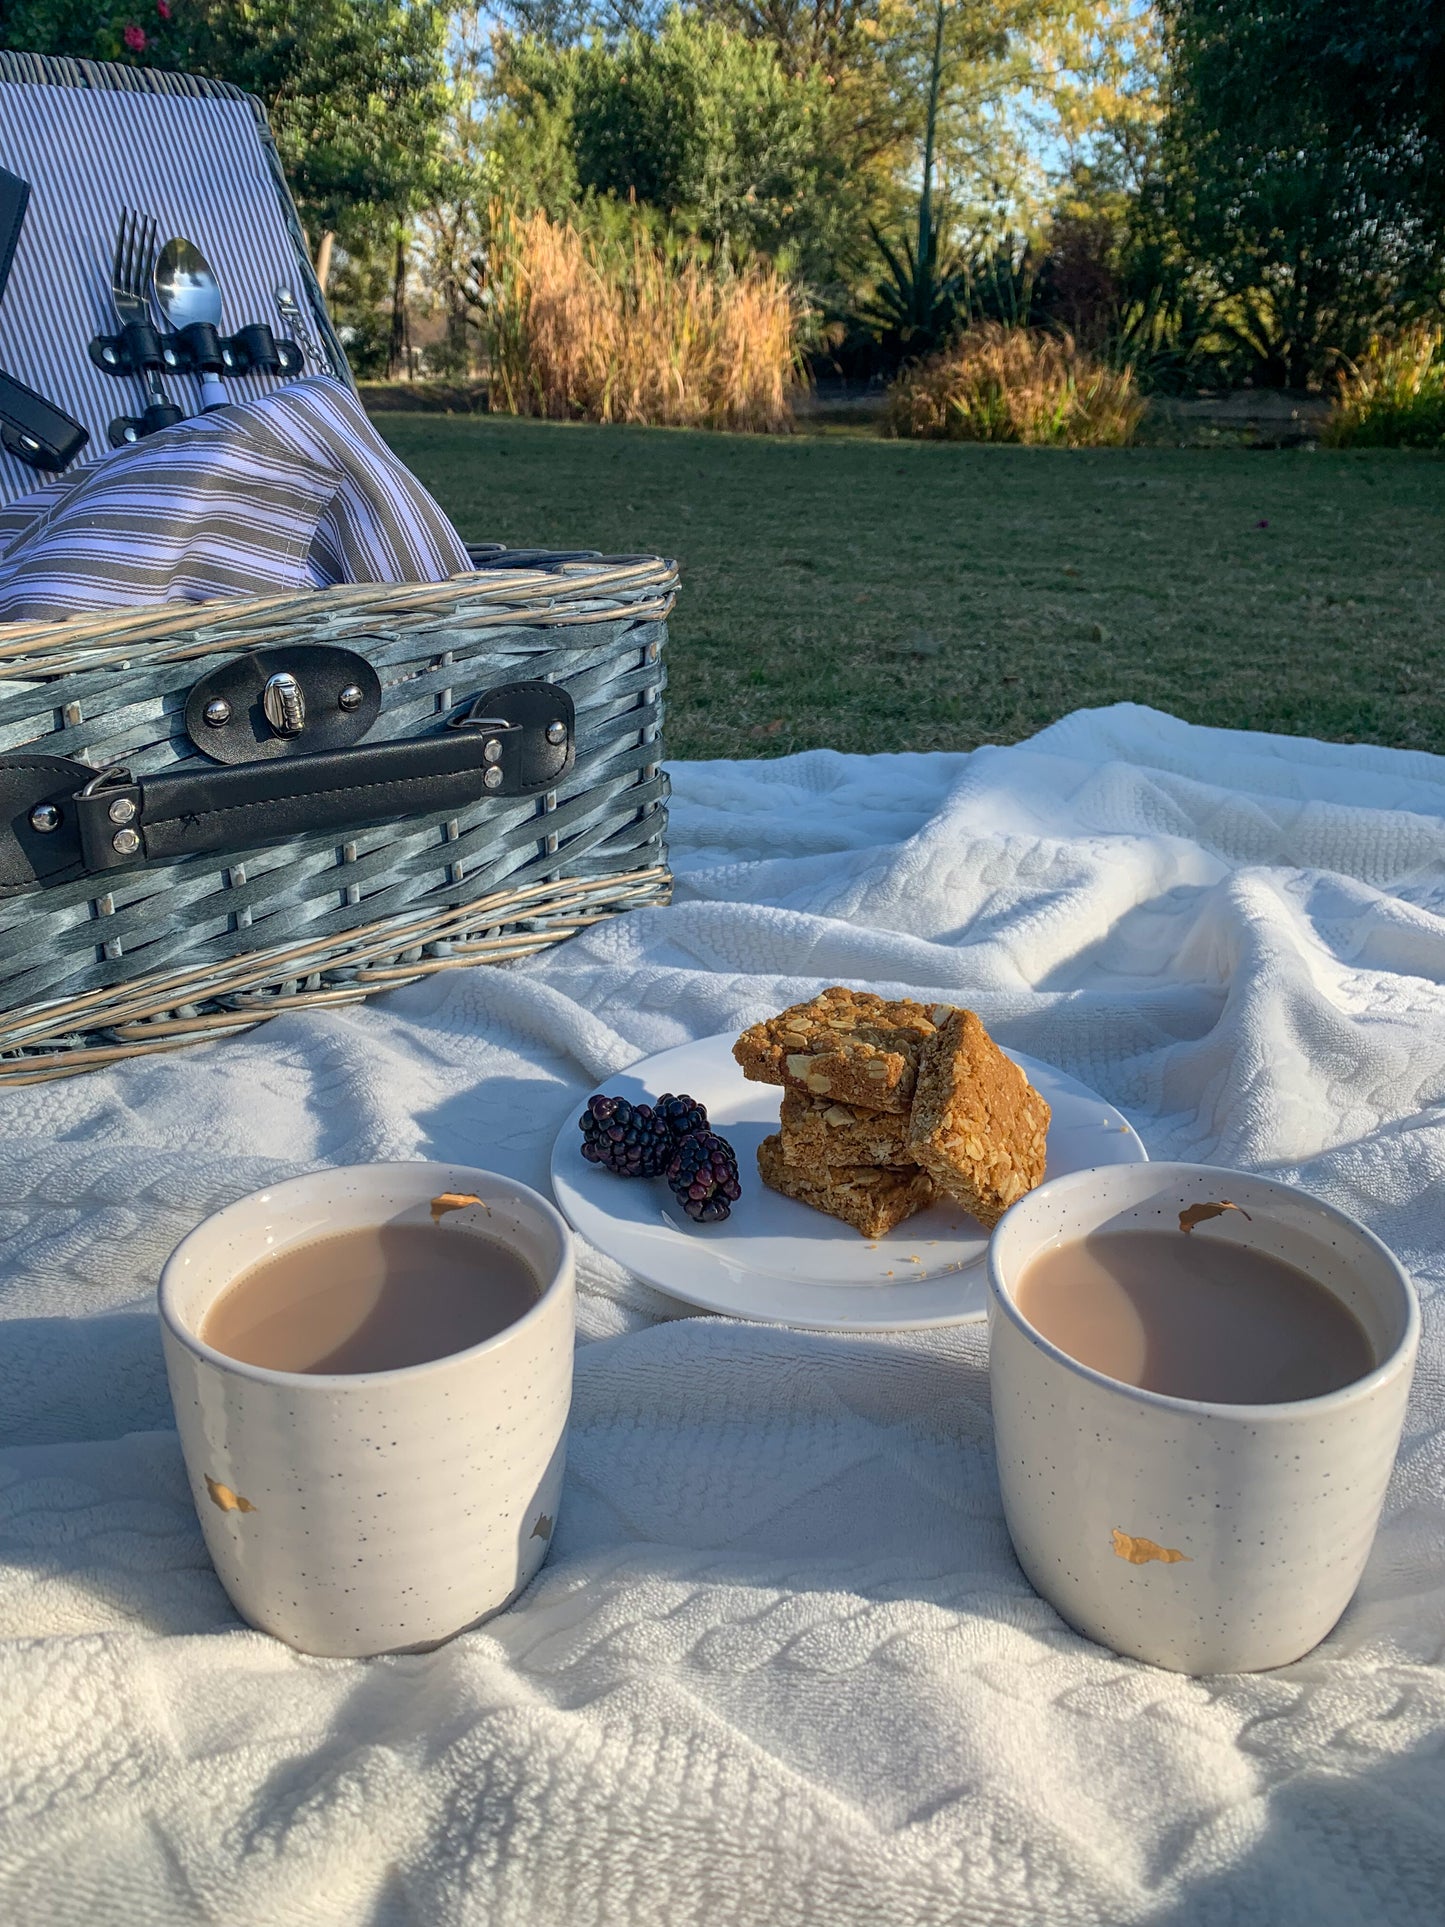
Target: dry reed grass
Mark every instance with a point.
(586, 327)
(998, 384)
(1396, 397)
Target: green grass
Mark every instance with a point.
(890, 595)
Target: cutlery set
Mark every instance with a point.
(176, 282)
(179, 283)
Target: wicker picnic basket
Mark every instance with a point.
(541, 675)
(211, 813)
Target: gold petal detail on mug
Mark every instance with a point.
(453, 1201)
(543, 1527)
(1140, 1551)
(1197, 1213)
(225, 1498)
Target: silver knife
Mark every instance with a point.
(292, 312)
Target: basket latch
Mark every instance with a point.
(290, 700)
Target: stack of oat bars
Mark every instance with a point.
(889, 1105)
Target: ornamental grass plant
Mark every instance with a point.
(607, 327)
(1002, 384)
(1395, 398)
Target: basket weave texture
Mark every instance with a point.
(202, 946)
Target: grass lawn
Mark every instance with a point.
(892, 595)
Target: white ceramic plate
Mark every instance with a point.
(779, 1261)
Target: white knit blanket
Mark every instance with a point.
(781, 1667)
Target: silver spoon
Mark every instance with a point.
(187, 292)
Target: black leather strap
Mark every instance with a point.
(515, 741)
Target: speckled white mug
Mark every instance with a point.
(374, 1512)
(1208, 1538)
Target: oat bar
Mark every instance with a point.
(817, 1133)
(977, 1126)
(846, 1045)
(871, 1201)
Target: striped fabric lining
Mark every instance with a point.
(109, 77)
(91, 139)
(295, 491)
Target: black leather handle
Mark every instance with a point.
(515, 741)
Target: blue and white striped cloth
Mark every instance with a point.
(295, 491)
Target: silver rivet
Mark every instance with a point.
(125, 842)
(170, 357)
(45, 818)
(218, 712)
(122, 810)
(491, 751)
(351, 697)
(492, 778)
(556, 732)
(108, 356)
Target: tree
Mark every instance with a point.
(1379, 66)
(695, 121)
(1302, 171)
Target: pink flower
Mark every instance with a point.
(163, 9)
(134, 37)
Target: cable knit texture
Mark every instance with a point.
(781, 1669)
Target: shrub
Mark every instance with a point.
(1396, 397)
(1000, 384)
(592, 327)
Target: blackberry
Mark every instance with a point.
(703, 1177)
(626, 1138)
(681, 1115)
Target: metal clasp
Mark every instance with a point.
(113, 776)
(283, 704)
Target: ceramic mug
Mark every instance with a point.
(374, 1512)
(1207, 1538)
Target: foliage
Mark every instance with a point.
(356, 93)
(1064, 73)
(1111, 278)
(1317, 228)
(1396, 397)
(1379, 67)
(1000, 384)
(137, 33)
(1098, 79)
(913, 313)
(696, 121)
(597, 328)
(913, 308)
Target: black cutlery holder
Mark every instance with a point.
(196, 346)
(255, 350)
(136, 348)
(199, 348)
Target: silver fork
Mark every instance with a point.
(135, 248)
